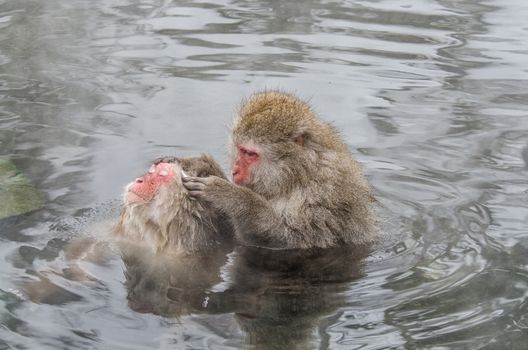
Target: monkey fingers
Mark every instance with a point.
(195, 185)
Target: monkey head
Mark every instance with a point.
(157, 192)
(143, 189)
(275, 144)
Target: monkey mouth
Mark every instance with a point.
(133, 197)
(238, 178)
(235, 176)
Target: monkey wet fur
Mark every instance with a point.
(295, 183)
(157, 210)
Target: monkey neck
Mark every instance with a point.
(172, 222)
(191, 228)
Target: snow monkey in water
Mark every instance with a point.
(172, 245)
(158, 211)
(186, 241)
(294, 181)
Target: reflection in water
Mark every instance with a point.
(277, 296)
(170, 285)
(291, 292)
(430, 96)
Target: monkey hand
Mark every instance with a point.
(166, 159)
(210, 188)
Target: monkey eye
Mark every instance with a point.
(163, 172)
(248, 153)
(152, 169)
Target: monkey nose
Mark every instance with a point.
(139, 180)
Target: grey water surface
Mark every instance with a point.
(431, 96)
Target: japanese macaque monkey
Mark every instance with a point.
(189, 240)
(158, 211)
(294, 181)
(162, 234)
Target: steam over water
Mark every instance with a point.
(431, 96)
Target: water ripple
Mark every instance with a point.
(429, 95)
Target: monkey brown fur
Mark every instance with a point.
(158, 211)
(296, 184)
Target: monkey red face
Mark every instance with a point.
(246, 157)
(143, 189)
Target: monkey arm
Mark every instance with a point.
(255, 221)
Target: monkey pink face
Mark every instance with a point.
(143, 189)
(246, 157)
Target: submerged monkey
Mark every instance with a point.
(187, 241)
(158, 211)
(265, 287)
(172, 245)
(175, 258)
(295, 183)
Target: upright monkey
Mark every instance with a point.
(295, 183)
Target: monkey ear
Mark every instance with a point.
(300, 138)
